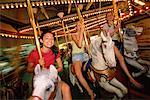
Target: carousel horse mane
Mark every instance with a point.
(44, 82)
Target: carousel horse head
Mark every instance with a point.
(44, 82)
(132, 30)
(108, 50)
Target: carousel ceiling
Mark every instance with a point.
(14, 15)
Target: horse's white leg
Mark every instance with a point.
(79, 86)
(110, 88)
(145, 62)
(136, 65)
(118, 84)
(141, 61)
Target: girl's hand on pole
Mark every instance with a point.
(41, 62)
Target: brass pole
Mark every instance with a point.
(32, 20)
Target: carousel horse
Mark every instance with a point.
(45, 83)
(104, 65)
(131, 49)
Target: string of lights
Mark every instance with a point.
(45, 3)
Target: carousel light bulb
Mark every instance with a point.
(25, 5)
(7, 6)
(52, 3)
(141, 11)
(41, 4)
(62, 2)
(21, 5)
(33, 4)
(44, 3)
(69, 2)
(6, 35)
(3, 7)
(48, 3)
(55, 2)
(130, 7)
(37, 4)
(65, 1)
(147, 7)
(135, 11)
(59, 2)
(3, 35)
(16, 4)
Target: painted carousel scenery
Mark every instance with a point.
(74, 49)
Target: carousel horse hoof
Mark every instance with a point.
(148, 75)
(116, 98)
(81, 90)
(125, 91)
(136, 74)
(94, 95)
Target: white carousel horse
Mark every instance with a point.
(130, 51)
(44, 83)
(103, 65)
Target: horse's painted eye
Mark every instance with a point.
(49, 87)
(104, 45)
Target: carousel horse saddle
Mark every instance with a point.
(109, 73)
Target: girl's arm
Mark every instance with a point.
(124, 67)
(78, 37)
(59, 63)
(30, 67)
